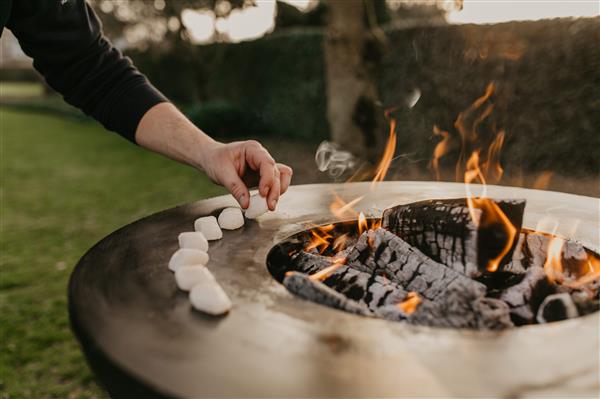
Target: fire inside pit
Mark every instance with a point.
(442, 263)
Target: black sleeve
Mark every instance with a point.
(65, 40)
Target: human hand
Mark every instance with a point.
(243, 164)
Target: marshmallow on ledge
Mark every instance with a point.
(193, 240)
(186, 257)
(231, 218)
(187, 277)
(209, 227)
(258, 206)
(209, 297)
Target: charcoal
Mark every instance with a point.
(524, 298)
(460, 306)
(367, 289)
(445, 231)
(381, 252)
(492, 314)
(518, 263)
(587, 301)
(309, 263)
(301, 285)
(556, 307)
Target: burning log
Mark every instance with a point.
(518, 263)
(524, 298)
(305, 262)
(461, 306)
(381, 252)
(369, 289)
(533, 248)
(469, 240)
(314, 290)
(556, 307)
(586, 300)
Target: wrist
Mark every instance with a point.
(200, 155)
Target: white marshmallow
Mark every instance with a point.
(257, 207)
(231, 219)
(209, 297)
(194, 240)
(209, 227)
(188, 276)
(186, 257)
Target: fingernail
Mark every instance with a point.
(273, 204)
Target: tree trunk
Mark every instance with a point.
(351, 88)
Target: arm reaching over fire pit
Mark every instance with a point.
(69, 49)
(236, 166)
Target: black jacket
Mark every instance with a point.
(65, 40)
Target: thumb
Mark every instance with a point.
(234, 184)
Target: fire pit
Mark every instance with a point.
(142, 337)
(442, 263)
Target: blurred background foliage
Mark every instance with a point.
(545, 71)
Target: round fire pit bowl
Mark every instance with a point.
(143, 339)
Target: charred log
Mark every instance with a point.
(459, 307)
(525, 297)
(308, 263)
(381, 252)
(367, 289)
(314, 290)
(445, 230)
(556, 307)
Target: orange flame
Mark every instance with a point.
(375, 224)
(592, 273)
(543, 180)
(491, 166)
(410, 304)
(469, 134)
(553, 266)
(320, 238)
(323, 274)
(388, 154)
(344, 210)
(340, 242)
(440, 150)
(362, 223)
(493, 214)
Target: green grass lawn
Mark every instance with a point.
(64, 186)
(21, 89)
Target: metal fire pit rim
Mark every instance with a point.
(399, 335)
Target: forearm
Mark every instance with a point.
(165, 130)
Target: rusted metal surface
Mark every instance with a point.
(124, 304)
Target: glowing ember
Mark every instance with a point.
(409, 305)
